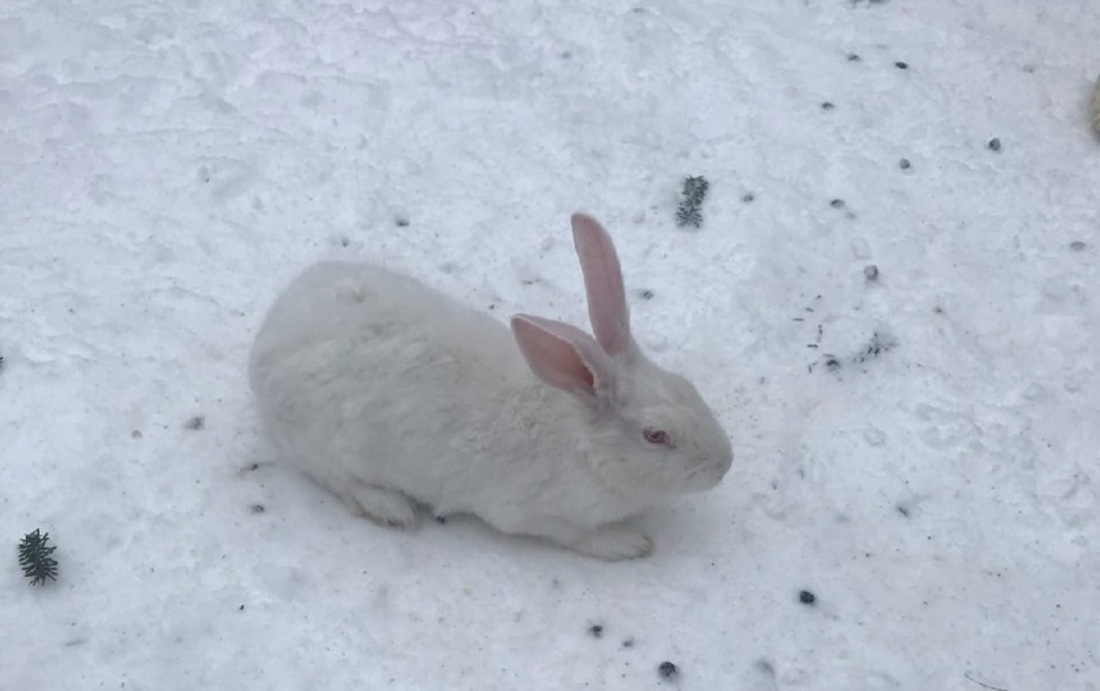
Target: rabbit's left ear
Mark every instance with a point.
(603, 283)
(563, 356)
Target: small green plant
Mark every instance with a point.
(34, 557)
(695, 189)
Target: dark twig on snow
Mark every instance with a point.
(992, 688)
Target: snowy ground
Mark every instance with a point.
(168, 167)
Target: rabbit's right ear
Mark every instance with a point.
(563, 356)
(603, 283)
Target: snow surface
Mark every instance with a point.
(168, 167)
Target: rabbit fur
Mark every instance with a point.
(391, 394)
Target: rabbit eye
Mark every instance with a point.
(657, 436)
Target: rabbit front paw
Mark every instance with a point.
(615, 542)
(383, 506)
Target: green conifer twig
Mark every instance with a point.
(34, 557)
(695, 189)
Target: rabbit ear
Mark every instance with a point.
(562, 356)
(603, 282)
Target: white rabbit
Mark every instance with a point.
(390, 394)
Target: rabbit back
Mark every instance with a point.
(364, 375)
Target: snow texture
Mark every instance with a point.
(916, 446)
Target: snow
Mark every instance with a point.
(168, 167)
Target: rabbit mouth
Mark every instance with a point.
(701, 478)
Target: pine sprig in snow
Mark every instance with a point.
(695, 189)
(34, 557)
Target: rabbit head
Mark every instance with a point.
(646, 431)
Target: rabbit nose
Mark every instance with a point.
(726, 462)
(725, 465)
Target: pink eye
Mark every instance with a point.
(657, 436)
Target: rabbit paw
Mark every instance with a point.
(615, 542)
(383, 506)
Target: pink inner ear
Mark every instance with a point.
(587, 378)
(603, 282)
(561, 355)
